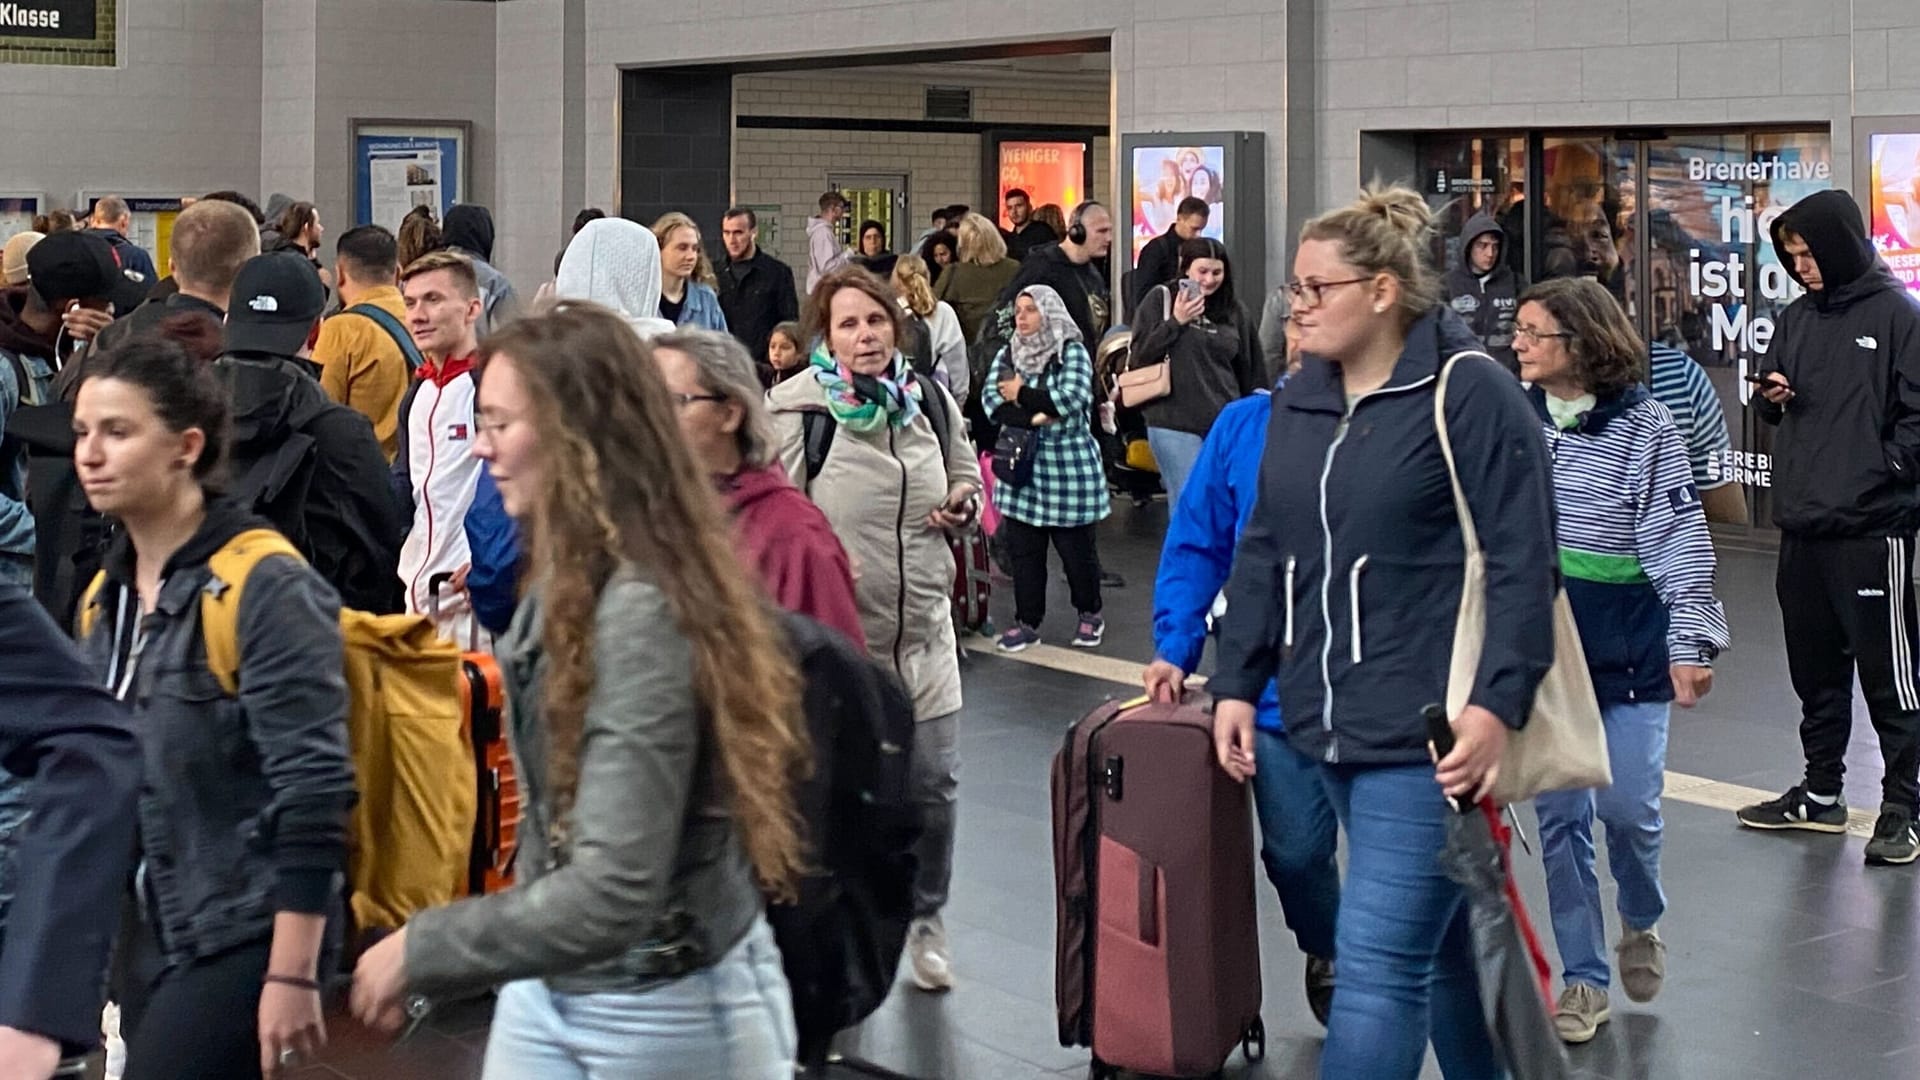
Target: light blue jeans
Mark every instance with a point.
(1405, 948)
(1630, 809)
(733, 1019)
(1174, 452)
(1298, 836)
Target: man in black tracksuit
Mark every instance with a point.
(1844, 392)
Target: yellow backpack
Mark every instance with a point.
(412, 829)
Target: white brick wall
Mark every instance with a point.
(791, 168)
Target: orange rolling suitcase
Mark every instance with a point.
(483, 708)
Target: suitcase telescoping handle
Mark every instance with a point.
(434, 584)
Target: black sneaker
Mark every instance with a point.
(1795, 811)
(1320, 987)
(1894, 841)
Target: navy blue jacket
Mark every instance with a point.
(1347, 581)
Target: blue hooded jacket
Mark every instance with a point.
(493, 576)
(1197, 555)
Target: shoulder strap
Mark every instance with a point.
(817, 429)
(83, 618)
(385, 320)
(1468, 534)
(220, 600)
(935, 404)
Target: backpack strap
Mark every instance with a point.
(220, 600)
(398, 333)
(83, 618)
(817, 429)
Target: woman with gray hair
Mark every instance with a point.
(777, 530)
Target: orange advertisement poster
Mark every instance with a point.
(1049, 172)
(1896, 205)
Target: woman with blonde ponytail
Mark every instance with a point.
(1346, 583)
(656, 720)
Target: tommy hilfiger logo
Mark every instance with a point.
(457, 432)
(1866, 342)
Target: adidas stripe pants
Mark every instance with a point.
(1848, 603)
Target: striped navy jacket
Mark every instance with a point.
(1634, 547)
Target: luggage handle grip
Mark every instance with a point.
(435, 582)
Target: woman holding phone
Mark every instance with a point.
(896, 477)
(1212, 350)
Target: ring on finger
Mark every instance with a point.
(289, 1056)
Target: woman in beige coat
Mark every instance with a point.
(885, 456)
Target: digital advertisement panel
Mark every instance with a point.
(1895, 188)
(1049, 172)
(1164, 175)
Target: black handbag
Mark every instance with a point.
(1013, 455)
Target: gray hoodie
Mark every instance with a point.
(616, 263)
(1488, 302)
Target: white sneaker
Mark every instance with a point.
(927, 952)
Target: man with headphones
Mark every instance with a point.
(1072, 268)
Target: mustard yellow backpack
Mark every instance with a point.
(412, 829)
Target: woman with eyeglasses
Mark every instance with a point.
(1346, 585)
(1639, 568)
(1212, 350)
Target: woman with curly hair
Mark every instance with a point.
(656, 719)
(687, 282)
(419, 233)
(1639, 568)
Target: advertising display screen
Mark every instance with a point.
(1049, 172)
(1895, 187)
(1164, 175)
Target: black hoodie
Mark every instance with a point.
(1488, 302)
(469, 228)
(1847, 455)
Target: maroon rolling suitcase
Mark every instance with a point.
(1157, 957)
(972, 583)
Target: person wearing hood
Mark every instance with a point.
(1043, 381)
(349, 526)
(687, 294)
(1638, 564)
(1842, 390)
(1483, 290)
(777, 530)
(615, 263)
(825, 254)
(245, 792)
(469, 231)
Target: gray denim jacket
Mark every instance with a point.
(653, 880)
(244, 801)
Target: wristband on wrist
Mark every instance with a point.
(291, 980)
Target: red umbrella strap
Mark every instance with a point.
(1503, 836)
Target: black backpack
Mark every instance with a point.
(917, 346)
(270, 460)
(841, 942)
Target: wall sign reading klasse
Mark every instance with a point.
(70, 20)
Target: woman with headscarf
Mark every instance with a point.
(1042, 383)
(615, 263)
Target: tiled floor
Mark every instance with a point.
(1789, 957)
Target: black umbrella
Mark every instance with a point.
(1506, 952)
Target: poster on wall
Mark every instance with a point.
(17, 212)
(1895, 188)
(1163, 176)
(1049, 172)
(397, 167)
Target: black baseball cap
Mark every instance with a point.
(78, 265)
(275, 300)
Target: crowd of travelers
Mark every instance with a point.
(710, 524)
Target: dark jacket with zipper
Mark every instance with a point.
(243, 806)
(1489, 301)
(1347, 580)
(757, 295)
(1847, 452)
(1212, 364)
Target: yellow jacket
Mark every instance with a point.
(362, 367)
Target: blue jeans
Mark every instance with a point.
(734, 1019)
(1630, 809)
(1406, 957)
(1298, 834)
(1174, 452)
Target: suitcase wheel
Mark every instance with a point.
(1253, 1043)
(1100, 1070)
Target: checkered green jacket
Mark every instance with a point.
(1069, 486)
